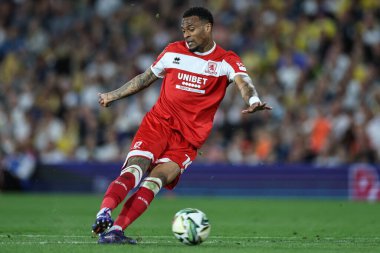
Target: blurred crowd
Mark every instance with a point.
(316, 62)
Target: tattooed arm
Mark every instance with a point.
(135, 85)
(249, 94)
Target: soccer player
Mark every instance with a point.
(196, 74)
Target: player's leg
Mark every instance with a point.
(160, 176)
(178, 155)
(149, 142)
(128, 179)
(138, 203)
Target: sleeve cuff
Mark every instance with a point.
(156, 73)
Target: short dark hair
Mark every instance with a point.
(200, 12)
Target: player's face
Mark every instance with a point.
(197, 33)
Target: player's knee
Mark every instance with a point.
(164, 177)
(143, 162)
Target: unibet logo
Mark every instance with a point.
(191, 78)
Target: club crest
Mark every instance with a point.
(211, 68)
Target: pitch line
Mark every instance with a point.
(89, 242)
(215, 237)
(150, 236)
(209, 242)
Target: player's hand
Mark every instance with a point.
(104, 99)
(256, 107)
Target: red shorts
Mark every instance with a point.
(157, 141)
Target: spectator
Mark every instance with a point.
(55, 55)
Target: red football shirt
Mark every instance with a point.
(194, 85)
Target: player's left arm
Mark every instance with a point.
(249, 94)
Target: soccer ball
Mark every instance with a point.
(190, 226)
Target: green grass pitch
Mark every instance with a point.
(61, 223)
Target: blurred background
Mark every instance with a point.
(316, 62)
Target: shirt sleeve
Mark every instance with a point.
(234, 66)
(158, 67)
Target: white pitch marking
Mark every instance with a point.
(211, 237)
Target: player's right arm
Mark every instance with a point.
(135, 85)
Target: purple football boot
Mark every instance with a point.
(115, 237)
(103, 221)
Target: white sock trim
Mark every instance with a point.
(115, 227)
(152, 183)
(136, 171)
(103, 210)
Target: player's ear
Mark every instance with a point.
(208, 27)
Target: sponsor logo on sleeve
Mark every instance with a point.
(241, 66)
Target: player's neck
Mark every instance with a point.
(208, 46)
(207, 49)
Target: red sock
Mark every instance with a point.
(134, 207)
(118, 190)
